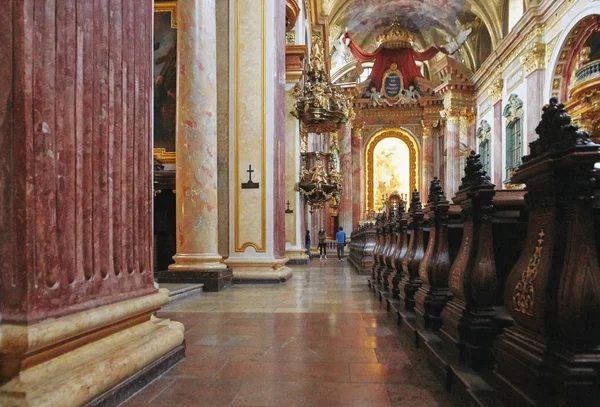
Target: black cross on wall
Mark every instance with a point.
(250, 184)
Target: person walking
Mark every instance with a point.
(340, 238)
(307, 242)
(322, 245)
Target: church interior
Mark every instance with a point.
(174, 173)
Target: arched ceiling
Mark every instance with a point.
(432, 21)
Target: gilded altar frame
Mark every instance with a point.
(414, 152)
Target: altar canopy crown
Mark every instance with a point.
(396, 37)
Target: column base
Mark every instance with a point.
(138, 381)
(98, 356)
(195, 262)
(259, 270)
(213, 279)
(296, 256)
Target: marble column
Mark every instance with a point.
(428, 147)
(197, 259)
(76, 276)
(345, 214)
(497, 146)
(452, 149)
(357, 173)
(496, 92)
(257, 142)
(535, 102)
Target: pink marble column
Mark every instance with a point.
(279, 141)
(357, 174)
(427, 172)
(497, 144)
(75, 169)
(76, 275)
(345, 215)
(452, 147)
(197, 233)
(535, 102)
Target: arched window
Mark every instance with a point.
(513, 112)
(364, 75)
(484, 134)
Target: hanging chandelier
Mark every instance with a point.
(320, 180)
(320, 106)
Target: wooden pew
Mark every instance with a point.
(434, 292)
(388, 267)
(492, 228)
(401, 249)
(380, 249)
(551, 356)
(411, 281)
(362, 245)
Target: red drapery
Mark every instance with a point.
(383, 58)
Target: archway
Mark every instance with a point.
(391, 165)
(569, 44)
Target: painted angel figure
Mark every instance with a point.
(377, 98)
(454, 44)
(342, 54)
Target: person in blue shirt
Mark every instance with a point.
(340, 238)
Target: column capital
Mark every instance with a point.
(453, 114)
(428, 123)
(357, 130)
(496, 88)
(534, 57)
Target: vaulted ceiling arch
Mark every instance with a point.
(367, 18)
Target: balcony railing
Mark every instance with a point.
(589, 71)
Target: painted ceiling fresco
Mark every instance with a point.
(433, 19)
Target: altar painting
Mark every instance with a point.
(164, 74)
(391, 170)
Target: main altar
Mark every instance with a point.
(431, 118)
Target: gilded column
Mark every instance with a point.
(452, 151)
(357, 173)
(534, 61)
(196, 146)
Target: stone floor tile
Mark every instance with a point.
(151, 391)
(199, 392)
(321, 339)
(407, 395)
(379, 373)
(191, 368)
(289, 394)
(351, 395)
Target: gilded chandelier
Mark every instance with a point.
(320, 106)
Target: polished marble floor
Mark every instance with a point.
(321, 339)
